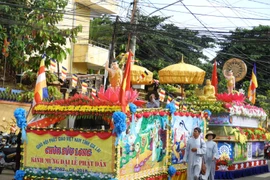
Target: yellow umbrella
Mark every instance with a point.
(181, 73)
(140, 75)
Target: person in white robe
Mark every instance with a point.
(195, 150)
(211, 156)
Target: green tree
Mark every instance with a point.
(251, 46)
(101, 30)
(31, 27)
(159, 44)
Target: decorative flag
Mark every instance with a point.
(192, 110)
(253, 85)
(184, 107)
(84, 87)
(5, 48)
(125, 86)
(64, 73)
(169, 99)
(161, 94)
(74, 80)
(214, 80)
(53, 65)
(41, 90)
(94, 92)
(143, 75)
(176, 103)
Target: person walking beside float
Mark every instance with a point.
(211, 156)
(195, 150)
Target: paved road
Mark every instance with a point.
(8, 175)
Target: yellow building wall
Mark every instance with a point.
(82, 18)
(83, 56)
(80, 68)
(7, 118)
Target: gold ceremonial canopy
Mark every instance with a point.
(140, 75)
(181, 73)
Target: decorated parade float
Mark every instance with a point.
(106, 137)
(101, 142)
(240, 138)
(109, 136)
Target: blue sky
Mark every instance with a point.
(230, 14)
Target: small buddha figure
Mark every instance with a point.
(115, 74)
(230, 81)
(208, 92)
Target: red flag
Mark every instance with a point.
(214, 80)
(125, 86)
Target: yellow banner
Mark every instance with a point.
(73, 154)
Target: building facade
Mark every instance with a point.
(85, 55)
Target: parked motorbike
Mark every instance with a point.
(7, 158)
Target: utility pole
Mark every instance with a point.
(132, 35)
(111, 57)
(111, 51)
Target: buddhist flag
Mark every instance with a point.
(5, 48)
(53, 65)
(143, 75)
(176, 103)
(184, 107)
(214, 80)
(94, 92)
(64, 73)
(84, 87)
(125, 86)
(161, 94)
(41, 90)
(253, 85)
(169, 99)
(74, 80)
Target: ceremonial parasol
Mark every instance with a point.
(140, 75)
(181, 73)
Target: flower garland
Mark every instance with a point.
(243, 135)
(72, 109)
(239, 135)
(35, 173)
(259, 133)
(239, 109)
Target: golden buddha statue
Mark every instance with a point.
(115, 74)
(208, 92)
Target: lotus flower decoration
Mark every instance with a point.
(225, 97)
(112, 96)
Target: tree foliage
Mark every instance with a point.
(31, 27)
(251, 46)
(159, 44)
